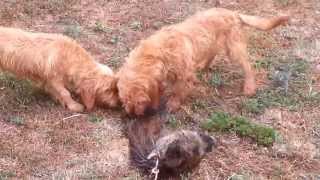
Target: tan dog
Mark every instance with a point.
(168, 59)
(59, 65)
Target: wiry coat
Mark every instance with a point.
(59, 65)
(168, 59)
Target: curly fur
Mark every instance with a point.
(59, 65)
(167, 60)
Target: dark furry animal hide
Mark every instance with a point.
(177, 152)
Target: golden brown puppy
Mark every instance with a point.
(59, 65)
(167, 60)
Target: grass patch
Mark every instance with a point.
(223, 122)
(99, 27)
(285, 3)
(4, 175)
(264, 63)
(253, 105)
(36, 8)
(238, 177)
(298, 92)
(174, 123)
(114, 39)
(23, 89)
(73, 31)
(19, 121)
(136, 25)
(216, 80)
(271, 98)
(289, 72)
(198, 105)
(95, 118)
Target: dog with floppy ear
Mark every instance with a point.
(166, 62)
(59, 65)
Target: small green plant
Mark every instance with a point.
(253, 105)
(238, 177)
(174, 123)
(24, 91)
(216, 80)
(73, 31)
(19, 121)
(95, 118)
(299, 66)
(218, 122)
(99, 27)
(285, 2)
(157, 24)
(197, 105)
(114, 40)
(6, 175)
(223, 122)
(136, 25)
(275, 97)
(263, 63)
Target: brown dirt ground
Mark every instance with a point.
(41, 140)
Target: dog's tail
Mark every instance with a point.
(263, 23)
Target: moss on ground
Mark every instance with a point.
(223, 122)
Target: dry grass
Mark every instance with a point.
(37, 142)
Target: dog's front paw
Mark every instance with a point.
(76, 107)
(173, 105)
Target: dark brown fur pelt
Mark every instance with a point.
(178, 151)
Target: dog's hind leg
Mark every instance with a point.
(64, 96)
(237, 51)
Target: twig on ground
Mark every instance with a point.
(69, 117)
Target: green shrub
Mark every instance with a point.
(95, 118)
(223, 122)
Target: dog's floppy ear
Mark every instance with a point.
(88, 94)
